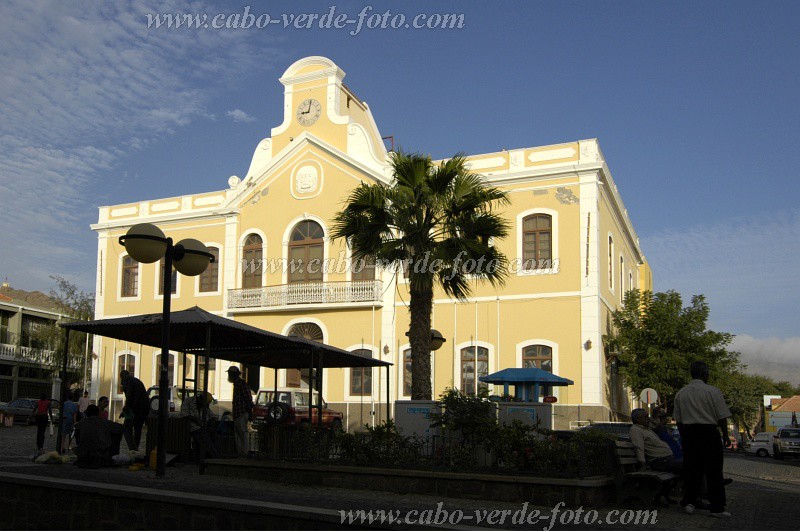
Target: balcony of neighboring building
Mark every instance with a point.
(302, 295)
(23, 348)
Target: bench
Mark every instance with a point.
(646, 485)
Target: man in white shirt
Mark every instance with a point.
(651, 451)
(701, 413)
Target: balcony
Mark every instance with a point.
(10, 352)
(284, 296)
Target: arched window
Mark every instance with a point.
(610, 262)
(537, 235)
(170, 369)
(312, 332)
(621, 279)
(252, 256)
(174, 281)
(125, 362)
(361, 377)
(407, 372)
(306, 252)
(474, 364)
(130, 277)
(209, 279)
(362, 269)
(539, 357)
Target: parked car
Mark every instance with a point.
(176, 399)
(291, 408)
(786, 442)
(23, 409)
(620, 430)
(761, 445)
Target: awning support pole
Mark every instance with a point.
(311, 385)
(388, 400)
(207, 405)
(319, 391)
(64, 388)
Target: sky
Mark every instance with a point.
(694, 104)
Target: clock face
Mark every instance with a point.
(308, 112)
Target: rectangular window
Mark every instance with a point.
(209, 279)
(361, 381)
(407, 372)
(362, 269)
(469, 363)
(621, 279)
(174, 280)
(130, 277)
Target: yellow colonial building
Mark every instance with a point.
(566, 214)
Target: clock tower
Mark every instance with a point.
(317, 104)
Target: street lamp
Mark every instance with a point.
(146, 243)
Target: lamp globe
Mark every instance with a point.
(145, 243)
(195, 259)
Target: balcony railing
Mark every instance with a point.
(27, 354)
(306, 293)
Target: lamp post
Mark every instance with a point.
(146, 244)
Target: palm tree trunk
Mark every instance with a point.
(419, 336)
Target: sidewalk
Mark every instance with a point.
(755, 505)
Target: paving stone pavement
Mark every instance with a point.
(765, 493)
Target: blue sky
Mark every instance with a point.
(695, 106)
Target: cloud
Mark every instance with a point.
(746, 267)
(238, 115)
(775, 350)
(83, 85)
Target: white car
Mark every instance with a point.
(761, 445)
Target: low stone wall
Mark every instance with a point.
(589, 492)
(31, 502)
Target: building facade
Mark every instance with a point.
(567, 219)
(27, 366)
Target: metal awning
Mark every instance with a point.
(229, 340)
(530, 375)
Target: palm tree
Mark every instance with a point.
(437, 220)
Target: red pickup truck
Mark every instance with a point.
(291, 408)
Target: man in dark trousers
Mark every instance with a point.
(242, 407)
(136, 409)
(701, 413)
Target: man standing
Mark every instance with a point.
(701, 413)
(83, 403)
(242, 406)
(136, 409)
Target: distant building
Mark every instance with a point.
(26, 367)
(780, 412)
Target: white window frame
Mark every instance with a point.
(555, 361)
(358, 398)
(240, 255)
(115, 375)
(139, 268)
(158, 296)
(197, 292)
(554, 255)
(457, 364)
(287, 233)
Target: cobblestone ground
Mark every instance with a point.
(765, 493)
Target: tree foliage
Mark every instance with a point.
(432, 219)
(73, 304)
(657, 338)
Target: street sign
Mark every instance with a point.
(649, 396)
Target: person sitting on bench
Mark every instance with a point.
(651, 451)
(99, 440)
